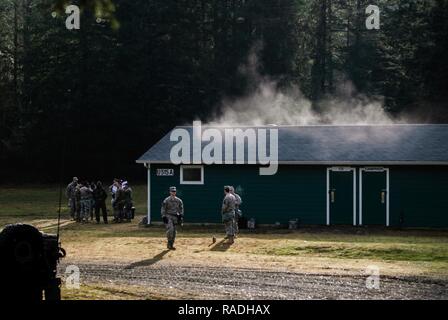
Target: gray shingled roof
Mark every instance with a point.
(375, 144)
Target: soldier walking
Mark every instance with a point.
(228, 214)
(172, 213)
(70, 194)
(100, 196)
(238, 212)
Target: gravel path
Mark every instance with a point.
(199, 282)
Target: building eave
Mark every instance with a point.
(332, 163)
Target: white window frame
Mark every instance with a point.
(191, 167)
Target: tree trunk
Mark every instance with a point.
(323, 45)
(330, 48)
(16, 57)
(319, 67)
(26, 61)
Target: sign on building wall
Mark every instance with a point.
(165, 172)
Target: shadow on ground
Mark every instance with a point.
(221, 246)
(148, 262)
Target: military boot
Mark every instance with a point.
(170, 245)
(231, 239)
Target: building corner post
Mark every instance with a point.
(148, 167)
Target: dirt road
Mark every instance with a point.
(148, 279)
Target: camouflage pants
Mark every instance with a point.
(229, 223)
(171, 229)
(127, 210)
(72, 204)
(78, 209)
(85, 209)
(118, 210)
(235, 223)
(92, 206)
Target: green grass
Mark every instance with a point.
(387, 251)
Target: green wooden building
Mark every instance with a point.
(388, 175)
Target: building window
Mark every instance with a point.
(192, 175)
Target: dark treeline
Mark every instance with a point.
(96, 98)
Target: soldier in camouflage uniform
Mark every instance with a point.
(86, 201)
(78, 202)
(113, 191)
(172, 213)
(119, 204)
(238, 213)
(70, 194)
(100, 196)
(228, 214)
(127, 195)
(92, 199)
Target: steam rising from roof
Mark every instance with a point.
(266, 103)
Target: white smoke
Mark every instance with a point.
(265, 103)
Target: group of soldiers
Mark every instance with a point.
(173, 214)
(86, 198)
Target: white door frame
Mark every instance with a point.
(341, 169)
(374, 169)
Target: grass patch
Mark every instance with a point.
(103, 292)
(376, 251)
(114, 291)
